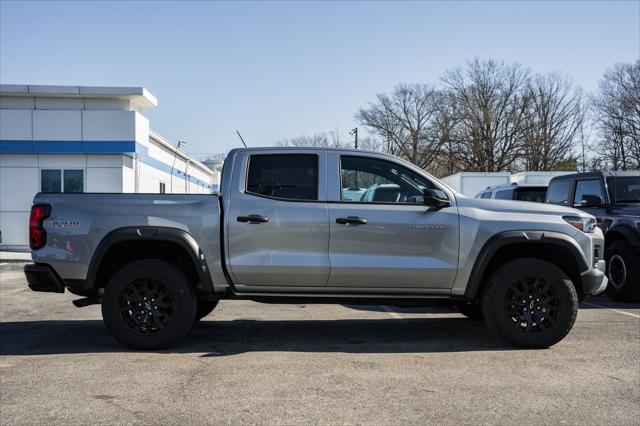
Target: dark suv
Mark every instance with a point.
(514, 191)
(614, 199)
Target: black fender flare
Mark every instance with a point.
(631, 235)
(503, 239)
(151, 233)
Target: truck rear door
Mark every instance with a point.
(277, 222)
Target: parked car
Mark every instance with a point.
(281, 231)
(514, 191)
(614, 199)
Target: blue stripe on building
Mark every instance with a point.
(93, 147)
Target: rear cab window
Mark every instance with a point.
(283, 176)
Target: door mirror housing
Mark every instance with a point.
(591, 201)
(434, 198)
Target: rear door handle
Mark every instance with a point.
(351, 220)
(253, 218)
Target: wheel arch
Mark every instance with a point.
(554, 247)
(624, 233)
(123, 245)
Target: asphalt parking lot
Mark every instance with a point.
(294, 364)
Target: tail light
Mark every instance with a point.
(37, 234)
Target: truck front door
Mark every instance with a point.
(277, 226)
(386, 237)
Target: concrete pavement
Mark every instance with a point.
(250, 363)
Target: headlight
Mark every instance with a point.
(585, 224)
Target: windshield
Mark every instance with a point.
(624, 189)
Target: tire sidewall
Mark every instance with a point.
(502, 325)
(177, 285)
(630, 289)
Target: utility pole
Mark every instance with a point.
(354, 132)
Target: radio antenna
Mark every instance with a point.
(240, 136)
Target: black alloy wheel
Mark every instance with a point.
(532, 304)
(146, 306)
(149, 304)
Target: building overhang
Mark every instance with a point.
(139, 96)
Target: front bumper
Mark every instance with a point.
(594, 281)
(43, 278)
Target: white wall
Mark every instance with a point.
(18, 184)
(470, 183)
(538, 178)
(69, 119)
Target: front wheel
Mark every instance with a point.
(623, 270)
(530, 303)
(149, 304)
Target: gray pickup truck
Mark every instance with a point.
(282, 230)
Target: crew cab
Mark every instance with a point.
(614, 199)
(281, 230)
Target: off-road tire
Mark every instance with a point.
(469, 310)
(499, 303)
(144, 280)
(620, 255)
(205, 307)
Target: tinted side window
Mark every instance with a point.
(487, 195)
(587, 187)
(558, 192)
(370, 180)
(529, 194)
(289, 176)
(505, 194)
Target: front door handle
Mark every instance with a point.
(253, 218)
(351, 220)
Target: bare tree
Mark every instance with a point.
(317, 140)
(446, 127)
(403, 120)
(493, 103)
(553, 123)
(332, 139)
(617, 116)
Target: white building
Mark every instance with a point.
(470, 183)
(83, 139)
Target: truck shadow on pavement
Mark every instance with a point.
(210, 338)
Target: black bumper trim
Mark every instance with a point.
(43, 278)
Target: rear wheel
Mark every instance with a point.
(149, 304)
(205, 307)
(469, 310)
(530, 303)
(623, 271)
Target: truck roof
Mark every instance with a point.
(516, 185)
(305, 148)
(597, 174)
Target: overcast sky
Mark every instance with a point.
(281, 69)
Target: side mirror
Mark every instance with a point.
(432, 198)
(591, 201)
